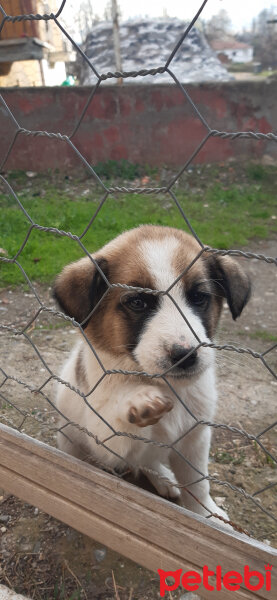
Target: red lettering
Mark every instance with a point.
(191, 581)
(232, 580)
(165, 587)
(218, 577)
(206, 574)
(247, 576)
(268, 577)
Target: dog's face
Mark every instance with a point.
(156, 331)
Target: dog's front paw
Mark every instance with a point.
(219, 515)
(164, 481)
(148, 407)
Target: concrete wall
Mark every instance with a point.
(152, 125)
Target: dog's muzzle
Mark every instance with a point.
(183, 358)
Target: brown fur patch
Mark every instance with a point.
(80, 371)
(71, 288)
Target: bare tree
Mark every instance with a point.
(264, 38)
(86, 18)
(219, 25)
(79, 18)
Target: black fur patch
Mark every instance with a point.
(200, 301)
(97, 287)
(137, 321)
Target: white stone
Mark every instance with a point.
(7, 594)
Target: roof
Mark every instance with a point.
(147, 44)
(228, 44)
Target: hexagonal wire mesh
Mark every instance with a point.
(24, 332)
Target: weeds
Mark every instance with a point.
(226, 458)
(122, 169)
(257, 172)
(262, 457)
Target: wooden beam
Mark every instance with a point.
(12, 50)
(147, 529)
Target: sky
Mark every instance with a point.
(241, 12)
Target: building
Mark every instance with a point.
(229, 50)
(32, 53)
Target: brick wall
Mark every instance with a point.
(152, 125)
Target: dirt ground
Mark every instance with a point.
(46, 559)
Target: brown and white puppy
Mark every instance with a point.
(144, 332)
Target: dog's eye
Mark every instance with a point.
(199, 298)
(136, 303)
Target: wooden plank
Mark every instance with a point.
(148, 529)
(20, 28)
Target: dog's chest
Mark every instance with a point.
(191, 404)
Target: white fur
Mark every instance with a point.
(168, 326)
(116, 394)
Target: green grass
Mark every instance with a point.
(240, 67)
(223, 217)
(259, 334)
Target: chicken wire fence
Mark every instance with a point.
(259, 440)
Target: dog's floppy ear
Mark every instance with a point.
(231, 282)
(79, 288)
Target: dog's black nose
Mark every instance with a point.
(187, 356)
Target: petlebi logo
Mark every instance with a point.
(192, 581)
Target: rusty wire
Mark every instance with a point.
(107, 191)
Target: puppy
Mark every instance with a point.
(147, 334)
